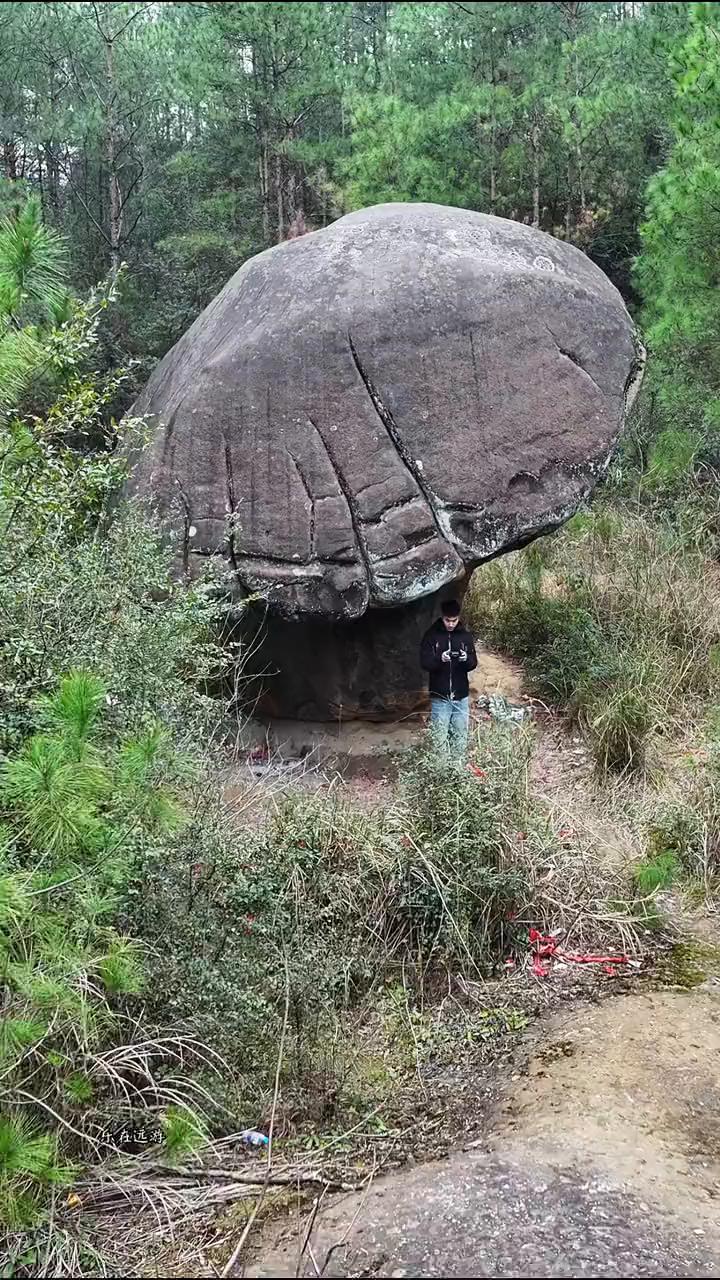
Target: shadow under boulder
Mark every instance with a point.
(368, 669)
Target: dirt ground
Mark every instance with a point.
(285, 753)
(632, 1084)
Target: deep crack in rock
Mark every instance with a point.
(388, 422)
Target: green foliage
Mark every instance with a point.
(33, 265)
(689, 828)
(677, 268)
(452, 889)
(103, 661)
(651, 876)
(675, 831)
(559, 638)
(518, 110)
(32, 297)
(323, 904)
(75, 822)
(232, 124)
(616, 622)
(70, 598)
(183, 1133)
(671, 460)
(28, 1162)
(618, 718)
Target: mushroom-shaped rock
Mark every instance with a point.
(365, 413)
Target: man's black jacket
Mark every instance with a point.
(447, 679)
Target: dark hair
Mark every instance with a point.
(450, 609)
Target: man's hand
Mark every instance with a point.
(446, 655)
(462, 656)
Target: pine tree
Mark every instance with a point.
(33, 296)
(678, 268)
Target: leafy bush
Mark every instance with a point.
(315, 909)
(90, 764)
(110, 606)
(452, 886)
(71, 597)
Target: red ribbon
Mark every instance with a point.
(546, 947)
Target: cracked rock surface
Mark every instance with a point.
(366, 411)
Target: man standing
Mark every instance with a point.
(447, 652)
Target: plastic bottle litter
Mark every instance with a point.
(252, 1138)
(499, 708)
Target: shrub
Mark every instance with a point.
(656, 873)
(618, 719)
(110, 606)
(649, 877)
(69, 597)
(689, 829)
(451, 885)
(619, 634)
(90, 764)
(32, 296)
(75, 813)
(321, 905)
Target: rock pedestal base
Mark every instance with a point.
(363, 670)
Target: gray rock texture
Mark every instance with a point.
(366, 411)
(484, 1215)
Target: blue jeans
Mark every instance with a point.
(449, 723)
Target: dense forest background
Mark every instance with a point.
(182, 138)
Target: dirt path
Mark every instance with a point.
(603, 1154)
(633, 1085)
(356, 743)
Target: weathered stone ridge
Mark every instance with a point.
(365, 411)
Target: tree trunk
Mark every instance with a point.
(493, 130)
(493, 170)
(115, 218)
(574, 10)
(581, 174)
(258, 107)
(579, 158)
(264, 192)
(53, 182)
(10, 159)
(279, 195)
(535, 135)
(291, 196)
(41, 184)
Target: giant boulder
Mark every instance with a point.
(365, 413)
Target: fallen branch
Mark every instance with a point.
(282, 1178)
